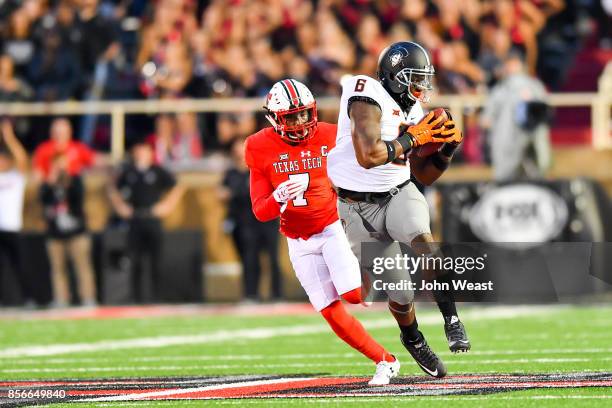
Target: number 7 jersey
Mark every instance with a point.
(272, 161)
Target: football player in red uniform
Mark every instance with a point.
(288, 164)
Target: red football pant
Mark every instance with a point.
(351, 331)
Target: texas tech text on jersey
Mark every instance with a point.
(273, 161)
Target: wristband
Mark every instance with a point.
(406, 140)
(390, 151)
(448, 149)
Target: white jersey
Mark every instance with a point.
(342, 165)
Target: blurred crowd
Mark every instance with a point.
(88, 50)
(53, 50)
(140, 193)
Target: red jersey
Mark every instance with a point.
(272, 161)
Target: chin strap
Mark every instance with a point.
(272, 121)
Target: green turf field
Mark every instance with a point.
(559, 339)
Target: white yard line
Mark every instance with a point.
(221, 336)
(548, 336)
(314, 356)
(167, 393)
(362, 363)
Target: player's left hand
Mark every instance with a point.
(427, 130)
(451, 133)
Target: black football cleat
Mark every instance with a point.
(424, 356)
(456, 335)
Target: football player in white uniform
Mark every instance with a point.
(380, 121)
(289, 180)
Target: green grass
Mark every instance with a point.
(564, 339)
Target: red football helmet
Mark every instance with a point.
(292, 110)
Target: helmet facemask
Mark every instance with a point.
(418, 82)
(294, 125)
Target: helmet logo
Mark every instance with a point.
(395, 59)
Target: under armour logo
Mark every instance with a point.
(305, 153)
(396, 112)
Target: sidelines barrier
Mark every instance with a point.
(599, 103)
(181, 278)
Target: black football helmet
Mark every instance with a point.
(406, 72)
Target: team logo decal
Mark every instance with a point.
(395, 59)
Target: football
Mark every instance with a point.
(441, 112)
(431, 148)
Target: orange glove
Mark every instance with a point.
(451, 133)
(426, 131)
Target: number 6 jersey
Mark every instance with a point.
(273, 161)
(343, 168)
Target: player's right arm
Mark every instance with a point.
(370, 149)
(265, 207)
(365, 114)
(268, 202)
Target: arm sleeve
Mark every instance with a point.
(265, 206)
